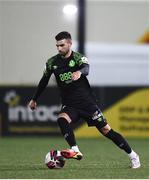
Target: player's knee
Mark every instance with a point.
(104, 130)
(64, 116)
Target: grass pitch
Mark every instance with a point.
(23, 157)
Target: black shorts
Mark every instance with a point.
(92, 115)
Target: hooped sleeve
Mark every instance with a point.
(84, 66)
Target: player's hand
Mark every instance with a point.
(76, 75)
(32, 104)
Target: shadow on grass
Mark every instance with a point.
(42, 167)
(22, 167)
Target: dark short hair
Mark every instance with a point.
(63, 35)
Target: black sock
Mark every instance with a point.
(67, 131)
(119, 140)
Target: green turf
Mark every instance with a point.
(24, 158)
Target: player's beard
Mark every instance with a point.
(63, 54)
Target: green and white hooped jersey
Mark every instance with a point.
(75, 92)
(63, 68)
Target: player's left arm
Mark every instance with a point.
(83, 69)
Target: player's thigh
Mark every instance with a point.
(69, 113)
(94, 117)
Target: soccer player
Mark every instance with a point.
(70, 69)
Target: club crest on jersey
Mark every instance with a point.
(71, 63)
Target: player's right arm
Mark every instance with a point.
(41, 86)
